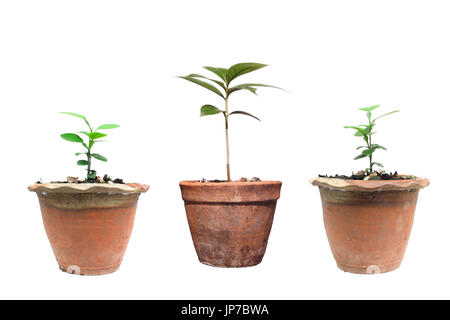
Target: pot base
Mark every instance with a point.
(88, 272)
(230, 266)
(373, 269)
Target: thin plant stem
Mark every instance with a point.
(89, 158)
(369, 145)
(227, 139)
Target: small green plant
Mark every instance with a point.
(93, 137)
(224, 90)
(366, 132)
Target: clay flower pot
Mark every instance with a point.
(88, 225)
(368, 223)
(230, 222)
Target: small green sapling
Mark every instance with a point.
(222, 88)
(366, 132)
(93, 137)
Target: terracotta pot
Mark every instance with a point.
(230, 222)
(88, 225)
(368, 223)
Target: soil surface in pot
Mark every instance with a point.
(362, 175)
(243, 179)
(98, 179)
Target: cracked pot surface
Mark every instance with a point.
(230, 222)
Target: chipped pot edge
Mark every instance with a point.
(370, 185)
(128, 188)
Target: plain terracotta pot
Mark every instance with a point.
(368, 223)
(88, 225)
(230, 222)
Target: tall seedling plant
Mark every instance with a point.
(222, 87)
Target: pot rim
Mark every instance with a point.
(197, 183)
(230, 192)
(370, 185)
(111, 188)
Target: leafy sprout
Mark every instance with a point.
(222, 87)
(93, 136)
(366, 132)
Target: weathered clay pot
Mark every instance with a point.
(230, 222)
(368, 223)
(88, 225)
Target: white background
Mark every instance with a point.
(116, 62)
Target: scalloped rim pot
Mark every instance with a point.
(368, 223)
(88, 225)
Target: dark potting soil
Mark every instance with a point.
(254, 179)
(105, 179)
(362, 175)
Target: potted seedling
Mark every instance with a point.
(88, 221)
(230, 221)
(368, 216)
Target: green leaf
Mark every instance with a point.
(204, 85)
(377, 164)
(75, 115)
(240, 87)
(78, 116)
(368, 151)
(220, 83)
(221, 72)
(367, 130)
(80, 153)
(92, 174)
(208, 110)
(250, 87)
(96, 135)
(377, 146)
(245, 113)
(361, 132)
(108, 126)
(99, 157)
(93, 135)
(242, 68)
(370, 108)
(82, 163)
(386, 114)
(360, 147)
(72, 137)
(84, 145)
(360, 156)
